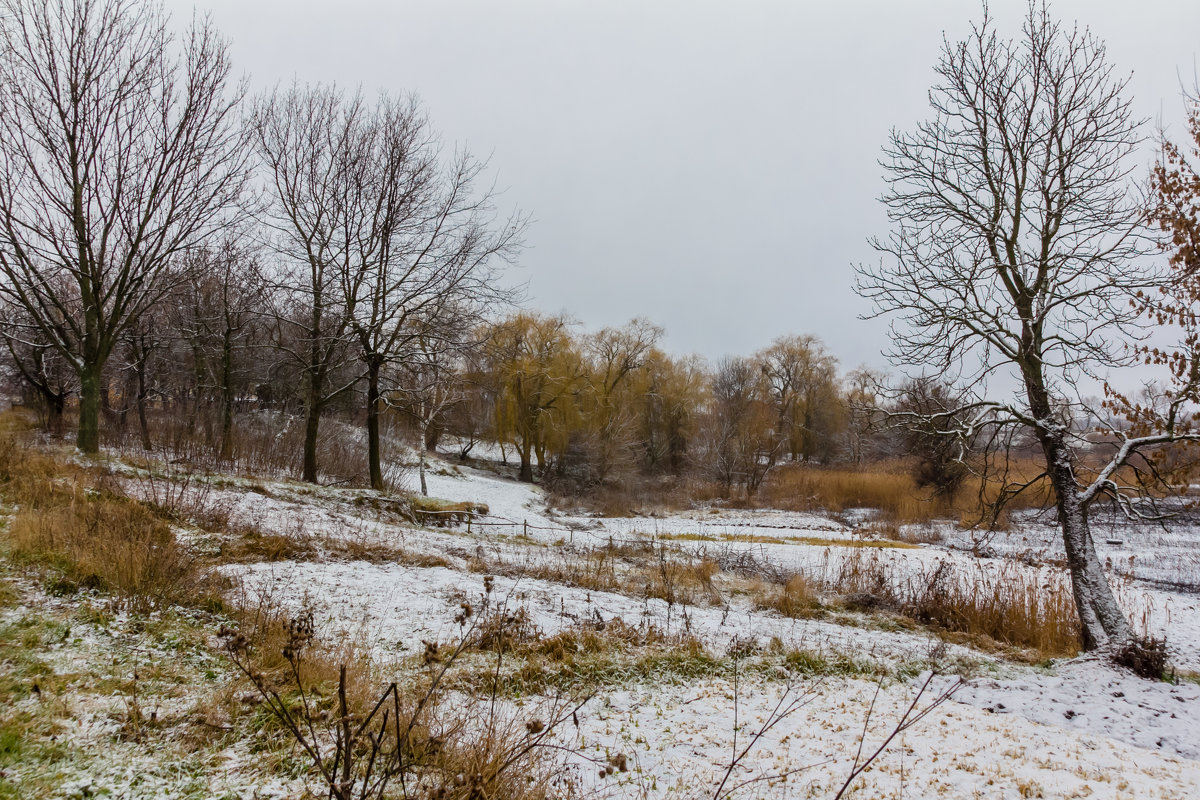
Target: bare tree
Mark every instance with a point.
(391, 238)
(423, 263)
(739, 434)
(119, 149)
(221, 309)
(1017, 244)
(307, 140)
(430, 381)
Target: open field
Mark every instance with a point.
(682, 631)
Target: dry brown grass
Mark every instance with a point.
(77, 524)
(449, 746)
(995, 605)
(798, 597)
(248, 544)
(805, 488)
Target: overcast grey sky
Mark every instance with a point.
(711, 166)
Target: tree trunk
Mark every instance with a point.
(373, 465)
(56, 405)
(88, 437)
(143, 424)
(526, 472)
(225, 451)
(421, 465)
(312, 424)
(431, 437)
(1100, 617)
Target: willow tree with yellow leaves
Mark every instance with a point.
(536, 368)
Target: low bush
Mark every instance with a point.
(1146, 657)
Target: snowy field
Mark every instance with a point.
(1076, 728)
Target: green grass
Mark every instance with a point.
(591, 661)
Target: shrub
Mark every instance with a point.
(1146, 656)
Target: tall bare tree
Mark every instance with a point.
(422, 267)
(307, 139)
(392, 237)
(1018, 242)
(120, 146)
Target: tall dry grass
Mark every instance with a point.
(77, 524)
(889, 488)
(798, 487)
(987, 603)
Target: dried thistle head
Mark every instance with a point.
(488, 583)
(234, 642)
(431, 655)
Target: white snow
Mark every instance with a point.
(1074, 728)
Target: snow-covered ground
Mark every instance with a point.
(1074, 728)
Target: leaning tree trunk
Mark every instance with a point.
(1101, 620)
(1100, 617)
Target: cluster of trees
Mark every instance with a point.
(168, 244)
(158, 229)
(600, 408)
